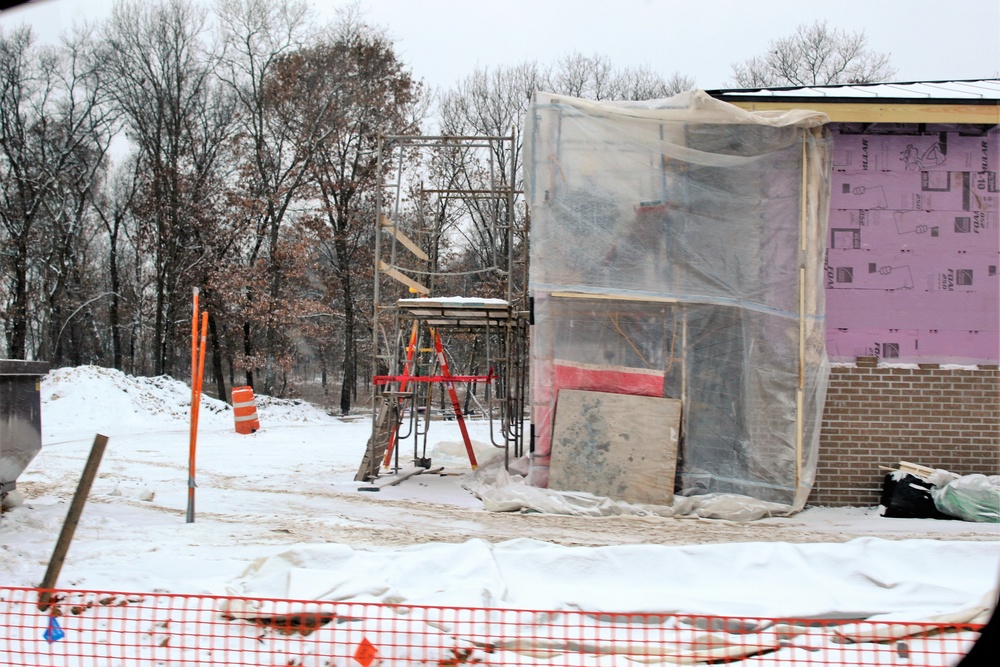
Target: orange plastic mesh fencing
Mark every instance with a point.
(93, 628)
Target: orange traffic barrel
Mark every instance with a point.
(245, 410)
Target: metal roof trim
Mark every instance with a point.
(961, 91)
(925, 101)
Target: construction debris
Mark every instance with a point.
(400, 476)
(919, 492)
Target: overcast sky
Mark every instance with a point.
(445, 40)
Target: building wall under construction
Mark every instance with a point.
(912, 255)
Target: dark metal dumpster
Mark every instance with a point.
(20, 417)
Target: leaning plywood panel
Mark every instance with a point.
(615, 445)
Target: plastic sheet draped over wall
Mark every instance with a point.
(677, 250)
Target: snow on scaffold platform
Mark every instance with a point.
(458, 311)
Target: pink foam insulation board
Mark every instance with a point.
(933, 231)
(915, 191)
(941, 151)
(914, 244)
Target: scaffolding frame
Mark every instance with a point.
(410, 323)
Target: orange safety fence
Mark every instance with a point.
(84, 628)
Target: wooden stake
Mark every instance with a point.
(72, 520)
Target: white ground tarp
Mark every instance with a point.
(867, 577)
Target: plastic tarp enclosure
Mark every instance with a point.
(677, 250)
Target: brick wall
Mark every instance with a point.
(941, 418)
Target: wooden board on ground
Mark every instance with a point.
(400, 476)
(615, 445)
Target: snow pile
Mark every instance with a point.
(90, 398)
(451, 453)
(273, 411)
(105, 400)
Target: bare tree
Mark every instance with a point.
(596, 78)
(53, 138)
(162, 75)
(277, 149)
(584, 76)
(492, 103)
(374, 95)
(113, 204)
(815, 55)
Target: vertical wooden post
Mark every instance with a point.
(803, 247)
(72, 520)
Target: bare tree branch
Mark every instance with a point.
(815, 55)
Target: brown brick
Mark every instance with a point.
(936, 417)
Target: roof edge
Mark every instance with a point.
(879, 102)
(833, 86)
(812, 101)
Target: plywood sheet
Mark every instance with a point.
(620, 446)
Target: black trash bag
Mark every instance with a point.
(909, 498)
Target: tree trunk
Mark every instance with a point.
(322, 366)
(169, 333)
(114, 313)
(350, 371)
(274, 294)
(17, 336)
(220, 380)
(248, 352)
(159, 339)
(350, 366)
(132, 337)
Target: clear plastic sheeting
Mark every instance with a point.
(505, 490)
(677, 250)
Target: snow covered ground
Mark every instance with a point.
(279, 515)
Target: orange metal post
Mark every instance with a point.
(198, 374)
(201, 358)
(446, 373)
(194, 358)
(194, 403)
